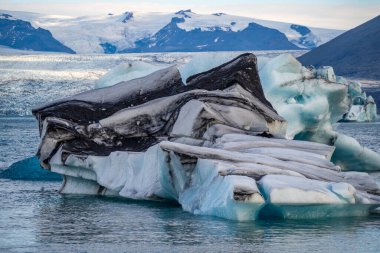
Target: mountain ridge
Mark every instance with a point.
(355, 53)
(20, 34)
(110, 33)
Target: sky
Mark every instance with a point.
(337, 14)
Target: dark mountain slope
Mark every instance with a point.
(19, 34)
(355, 53)
(171, 38)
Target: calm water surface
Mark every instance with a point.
(19, 139)
(35, 218)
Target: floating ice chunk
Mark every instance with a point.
(357, 113)
(362, 108)
(361, 113)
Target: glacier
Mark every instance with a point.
(212, 142)
(121, 31)
(363, 108)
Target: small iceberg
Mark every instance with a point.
(362, 107)
(215, 145)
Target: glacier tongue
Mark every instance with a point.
(215, 145)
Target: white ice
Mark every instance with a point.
(363, 108)
(125, 72)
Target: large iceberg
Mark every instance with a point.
(215, 145)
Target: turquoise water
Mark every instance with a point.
(35, 218)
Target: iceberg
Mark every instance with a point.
(216, 146)
(312, 100)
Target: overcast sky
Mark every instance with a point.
(340, 14)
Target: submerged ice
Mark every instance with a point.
(216, 145)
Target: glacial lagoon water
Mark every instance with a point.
(35, 218)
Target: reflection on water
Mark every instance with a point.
(33, 217)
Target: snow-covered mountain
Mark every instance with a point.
(21, 34)
(172, 38)
(186, 30)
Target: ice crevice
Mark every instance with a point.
(216, 145)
